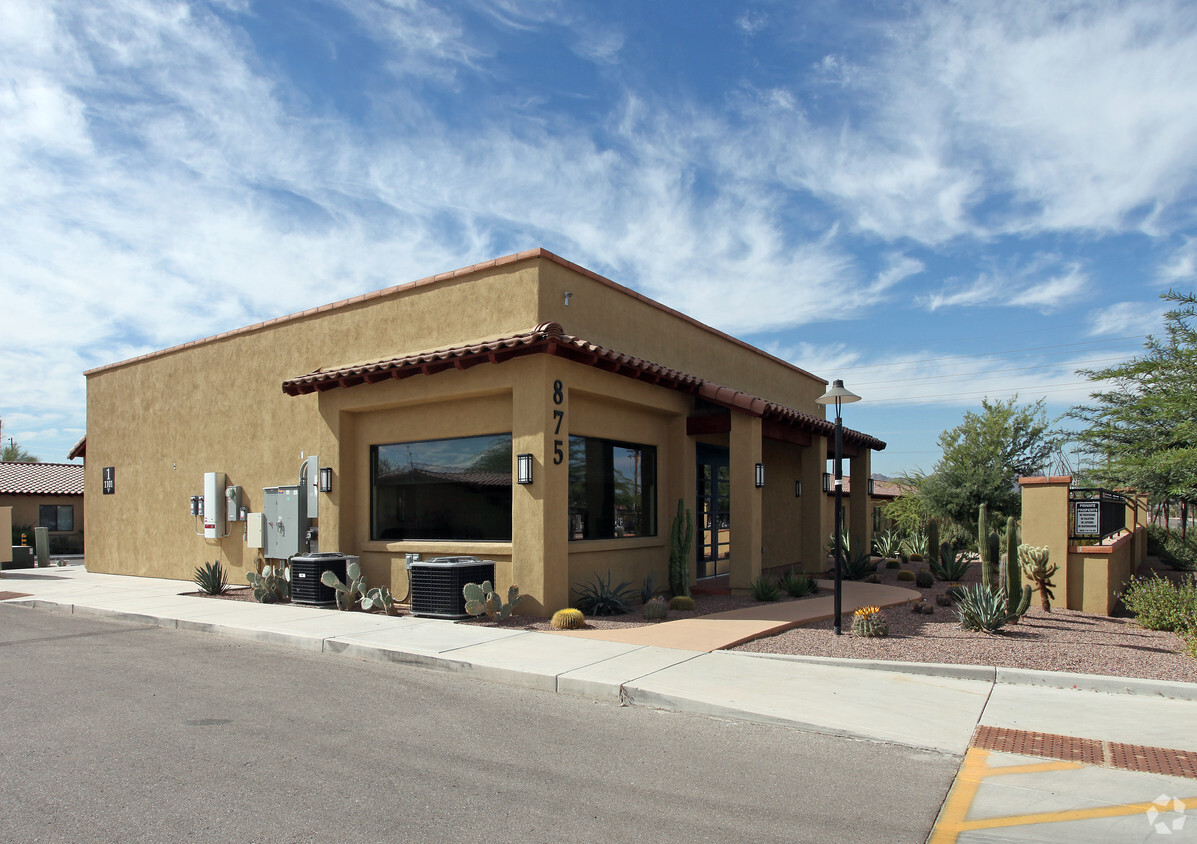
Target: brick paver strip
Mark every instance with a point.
(1128, 757)
(4, 596)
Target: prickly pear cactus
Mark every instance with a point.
(484, 599)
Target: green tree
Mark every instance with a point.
(13, 453)
(1142, 432)
(983, 458)
(908, 512)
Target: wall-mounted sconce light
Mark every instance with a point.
(827, 482)
(872, 487)
(523, 468)
(760, 475)
(326, 479)
(797, 489)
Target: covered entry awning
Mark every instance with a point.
(778, 421)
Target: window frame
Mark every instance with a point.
(417, 532)
(647, 520)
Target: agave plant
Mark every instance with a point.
(858, 567)
(764, 589)
(887, 544)
(796, 585)
(211, 578)
(601, 598)
(983, 609)
(950, 566)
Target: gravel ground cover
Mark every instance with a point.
(1062, 640)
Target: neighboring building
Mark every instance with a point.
(418, 400)
(880, 493)
(48, 495)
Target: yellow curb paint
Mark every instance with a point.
(960, 798)
(1114, 811)
(975, 769)
(1033, 769)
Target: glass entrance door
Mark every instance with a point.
(713, 508)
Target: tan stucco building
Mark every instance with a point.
(419, 398)
(48, 495)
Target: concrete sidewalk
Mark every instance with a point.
(1047, 756)
(926, 706)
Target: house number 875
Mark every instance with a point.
(558, 416)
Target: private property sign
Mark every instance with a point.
(1087, 518)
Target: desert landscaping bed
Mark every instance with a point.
(1062, 640)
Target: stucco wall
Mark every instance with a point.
(25, 513)
(217, 405)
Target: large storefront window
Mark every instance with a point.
(612, 489)
(442, 489)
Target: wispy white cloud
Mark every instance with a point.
(1030, 286)
(1126, 319)
(1181, 265)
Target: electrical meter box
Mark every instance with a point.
(286, 522)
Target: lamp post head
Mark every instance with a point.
(837, 394)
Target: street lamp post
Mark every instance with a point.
(837, 394)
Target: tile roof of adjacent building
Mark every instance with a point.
(41, 479)
(464, 271)
(549, 338)
(881, 489)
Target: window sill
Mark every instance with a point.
(585, 546)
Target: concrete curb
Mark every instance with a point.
(1008, 676)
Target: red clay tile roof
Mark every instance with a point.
(881, 489)
(80, 449)
(41, 479)
(549, 338)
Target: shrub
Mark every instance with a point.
(905, 575)
(1160, 604)
(796, 585)
(764, 589)
(869, 622)
(924, 580)
(1177, 553)
(211, 578)
(568, 619)
(681, 603)
(982, 609)
(601, 598)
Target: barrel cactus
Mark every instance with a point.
(657, 609)
(568, 619)
(869, 622)
(681, 603)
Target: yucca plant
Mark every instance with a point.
(950, 566)
(601, 598)
(981, 608)
(764, 589)
(211, 578)
(845, 543)
(915, 544)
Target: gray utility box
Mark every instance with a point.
(436, 584)
(306, 571)
(286, 522)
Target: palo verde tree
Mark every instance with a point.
(12, 452)
(1142, 431)
(983, 458)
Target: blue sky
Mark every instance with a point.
(934, 201)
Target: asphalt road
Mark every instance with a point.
(111, 731)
